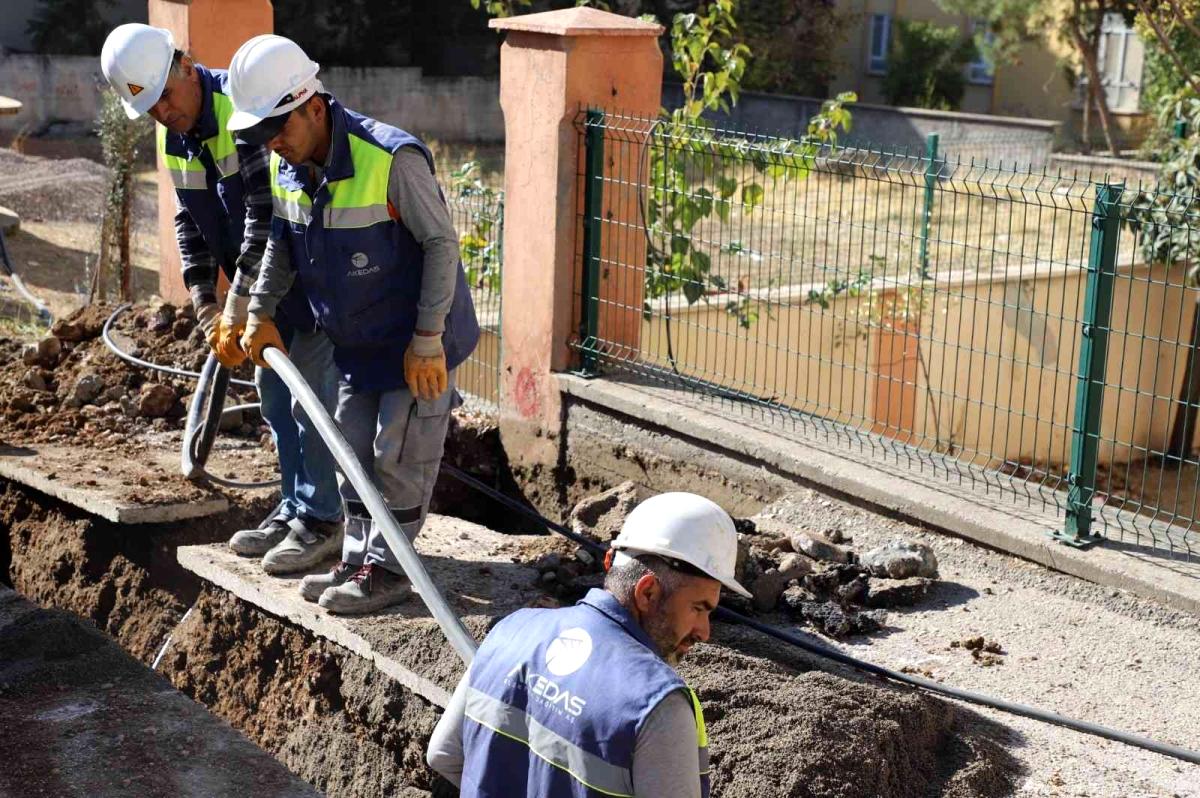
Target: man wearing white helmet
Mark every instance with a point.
(360, 224)
(584, 700)
(223, 217)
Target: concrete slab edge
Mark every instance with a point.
(107, 509)
(198, 560)
(990, 527)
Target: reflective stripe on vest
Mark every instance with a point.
(588, 769)
(701, 735)
(353, 204)
(189, 173)
(291, 204)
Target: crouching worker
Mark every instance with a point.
(585, 700)
(360, 224)
(222, 219)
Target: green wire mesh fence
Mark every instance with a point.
(478, 215)
(994, 325)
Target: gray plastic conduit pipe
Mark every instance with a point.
(451, 626)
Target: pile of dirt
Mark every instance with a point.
(812, 577)
(62, 189)
(123, 579)
(70, 386)
(833, 735)
(327, 714)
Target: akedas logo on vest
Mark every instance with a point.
(565, 655)
(360, 263)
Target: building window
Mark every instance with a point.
(881, 35)
(981, 70)
(1120, 60)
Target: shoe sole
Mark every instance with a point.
(250, 551)
(313, 598)
(364, 607)
(305, 561)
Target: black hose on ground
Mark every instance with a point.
(827, 652)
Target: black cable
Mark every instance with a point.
(830, 653)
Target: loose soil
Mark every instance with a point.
(124, 579)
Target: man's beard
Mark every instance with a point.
(659, 630)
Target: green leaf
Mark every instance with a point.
(752, 195)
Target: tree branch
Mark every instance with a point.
(1166, 45)
(1182, 17)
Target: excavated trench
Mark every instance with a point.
(782, 724)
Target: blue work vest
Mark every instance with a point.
(359, 266)
(206, 172)
(555, 700)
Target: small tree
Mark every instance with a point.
(927, 66)
(120, 137)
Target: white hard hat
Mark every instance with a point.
(136, 60)
(687, 528)
(268, 77)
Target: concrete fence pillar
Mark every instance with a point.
(554, 65)
(211, 31)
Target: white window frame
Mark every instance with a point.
(1123, 94)
(877, 61)
(981, 71)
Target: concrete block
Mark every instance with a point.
(471, 564)
(73, 476)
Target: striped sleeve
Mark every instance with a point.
(199, 266)
(254, 166)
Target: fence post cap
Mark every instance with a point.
(582, 21)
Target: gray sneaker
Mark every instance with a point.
(313, 585)
(257, 542)
(307, 544)
(368, 589)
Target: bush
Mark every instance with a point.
(927, 66)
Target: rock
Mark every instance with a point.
(902, 559)
(44, 353)
(854, 591)
(164, 318)
(34, 379)
(768, 587)
(182, 328)
(129, 406)
(600, 517)
(230, 421)
(831, 618)
(113, 393)
(156, 400)
(820, 548)
(585, 557)
(83, 325)
(898, 593)
(87, 388)
(22, 403)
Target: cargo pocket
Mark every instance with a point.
(425, 438)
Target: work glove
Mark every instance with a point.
(225, 338)
(425, 367)
(260, 333)
(207, 314)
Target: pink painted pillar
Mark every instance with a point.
(211, 31)
(552, 65)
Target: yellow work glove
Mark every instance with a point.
(260, 333)
(225, 338)
(226, 344)
(207, 314)
(425, 367)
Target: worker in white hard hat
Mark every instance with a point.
(585, 700)
(222, 220)
(361, 225)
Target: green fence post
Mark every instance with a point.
(931, 175)
(593, 198)
(1093, 358)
